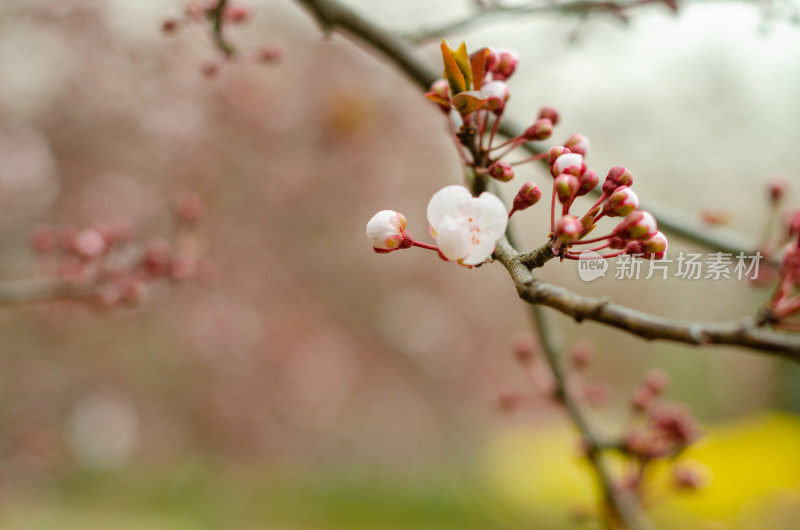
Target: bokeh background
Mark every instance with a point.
(315, 384)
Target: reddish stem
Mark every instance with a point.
(424, 245)
(529, 159)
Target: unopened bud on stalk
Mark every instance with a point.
(621, 202)
(589, 181)
(617, 176)
(568, 228)
(571, 163)
(639, 226)
(501, 171)
(541, 130)
(502, 63)
(566, 186)
(554, 153)
(499, 95)
(549, 113)
(777, 189)
(528, 195)
(578, 143)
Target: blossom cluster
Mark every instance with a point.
(473, 95)
(203, 12)
(107, 268)
(656, 431)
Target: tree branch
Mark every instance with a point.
(745, 333)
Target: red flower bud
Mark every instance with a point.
(639, 225)
(578, 143)
(501, 171)
(566, 186)
(571, 163)
(556, 152)
(549, 113)
(502, 63)
(541, 130)
(621, 202)
(528, 195)
(589, 181)
(568, 228)
(777, 189)
(617, 176)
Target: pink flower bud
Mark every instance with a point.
(190, 207)
(643, 399)
(439, 93)
(502, 63)
(524, 347)
(617, 176)
(657, 380)
(89, 244)
(237, 13)
(692, 476)
(501, 171)
(568, 228)
(549, 113)
(528, 195)
(581, 353)
(571, 163)
(45, 239)
(589, 181)
(270, 54)
(566, 186)
(386, 231)
(156, 262)
(578, 143)
(552, 156)
(541, 130)
(170, 26)
(621, 202)
(777, 189)
(639, 225)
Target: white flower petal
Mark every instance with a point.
(453, 237)
(449, 201)
(492, 217)
(568, 160)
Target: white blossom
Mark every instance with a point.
(385, 230)
(466, 228)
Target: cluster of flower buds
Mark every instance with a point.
(204, 12)
(636, 234)
(466, 228)
(105, 267)
(473, 94)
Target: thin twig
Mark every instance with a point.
(487, 15)
(216, 16)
